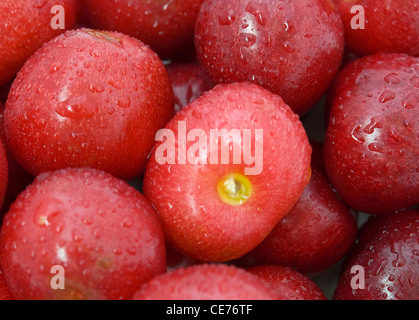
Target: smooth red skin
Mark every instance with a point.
(390, 26)
(25, 27)
(371, 148)
(206, 282)
(288, 283)
(195, 219)
(4, 291)
(4, 173)
(388, 249)
(166, 26)
(76, 116)
(315, 234)
(111, 236)
(189, 82)
(18, 180)
(288, 47)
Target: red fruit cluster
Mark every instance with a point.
(209, 149)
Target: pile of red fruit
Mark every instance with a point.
(209, 149)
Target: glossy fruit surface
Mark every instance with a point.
(213, 201)
(315, 234)
(206, 282)
(25, 26)
(390, 26)
(165, 25)
(189, 82)
(288, 47)
(18, 179)
(372, 145)
(387, 252)
(4, 291)
(4, 173)
(88, 99)
(288, 283)
(104, 234)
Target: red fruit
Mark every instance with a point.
(315, 234)
(390, 26)
(102, 232)
(18, 180)
(176, 260)
(217, 210)
(88, 99)
(206, 282)
(288, 283)
(289, 47)
(4, 173)
(189, 82)
(388, 253)
(167, 26)
(25, 27)
(4, 291)
(372, 146)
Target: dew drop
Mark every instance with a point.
(259, 11)
(386, 96)
(247, 39)
(227, 17)
(78, 108)
(392, 78)
(124, 102)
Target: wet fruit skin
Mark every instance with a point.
(25, 26)
(165, 25)
(388, 250)
(315, 234)
(104, 233)
(371, 146)
(390, 26)
(196, 218)
(88, 99)
(206, 282)
(4, 291)
(189, 82)
(4, 173)
(18, 180)
(288, 47)
(288, 283)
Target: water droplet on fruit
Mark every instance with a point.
(47, 211)
(410, 101)
(96, 88)
(78, 108)
(127, 222)
(227, 17)
(369, 129)
(116, 84)
(400, 261)
(414, 82)
(132, 250)
(247, 39)
(124, 102)
(386, 96)
(259, 11)
(392, 78)
(76, 236)
(288, 48)
(357, 135)
(55, 68)
(374, 147)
